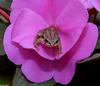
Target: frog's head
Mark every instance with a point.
(51, 37)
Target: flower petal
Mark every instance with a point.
(86, 44)
(38, 69)
(32, 66)
(26, 27)
(14, 52)
(96, 4)
(65, 67)
(48, 9)
(39, 6)
(87, 3)
(71, 23)
(64, 70)
(57, 7)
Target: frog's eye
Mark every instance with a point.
(56, 42)
(47, 41)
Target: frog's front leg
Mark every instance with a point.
(37, 42)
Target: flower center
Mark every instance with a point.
(48, 37)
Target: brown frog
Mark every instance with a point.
(48, 37)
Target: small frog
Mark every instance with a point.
(48, 37)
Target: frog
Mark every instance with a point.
(48, 37)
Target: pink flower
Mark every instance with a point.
(91, 4)
(78, 38)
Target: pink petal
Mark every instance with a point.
(48, 9)
(65, 67)
(86, 44)
(39, 6)
(64, 70)
(56, 7)
(33, 66)
(87, 3)
(71, 23)
(38, 69)
(26, 27)
(48, 53)
(96, 4)
(14, 52)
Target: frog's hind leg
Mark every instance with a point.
(37, 40)
(58, 50)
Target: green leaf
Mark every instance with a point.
(2, 30)
(7, 70)
(5, 4)
(98, 19)
(20, 80)
(94, 57)
(48, 83)
(5, 80)
(98, 42)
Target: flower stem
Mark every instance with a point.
(5, 15)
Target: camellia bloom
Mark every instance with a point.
(91, 4)
(78, 38)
